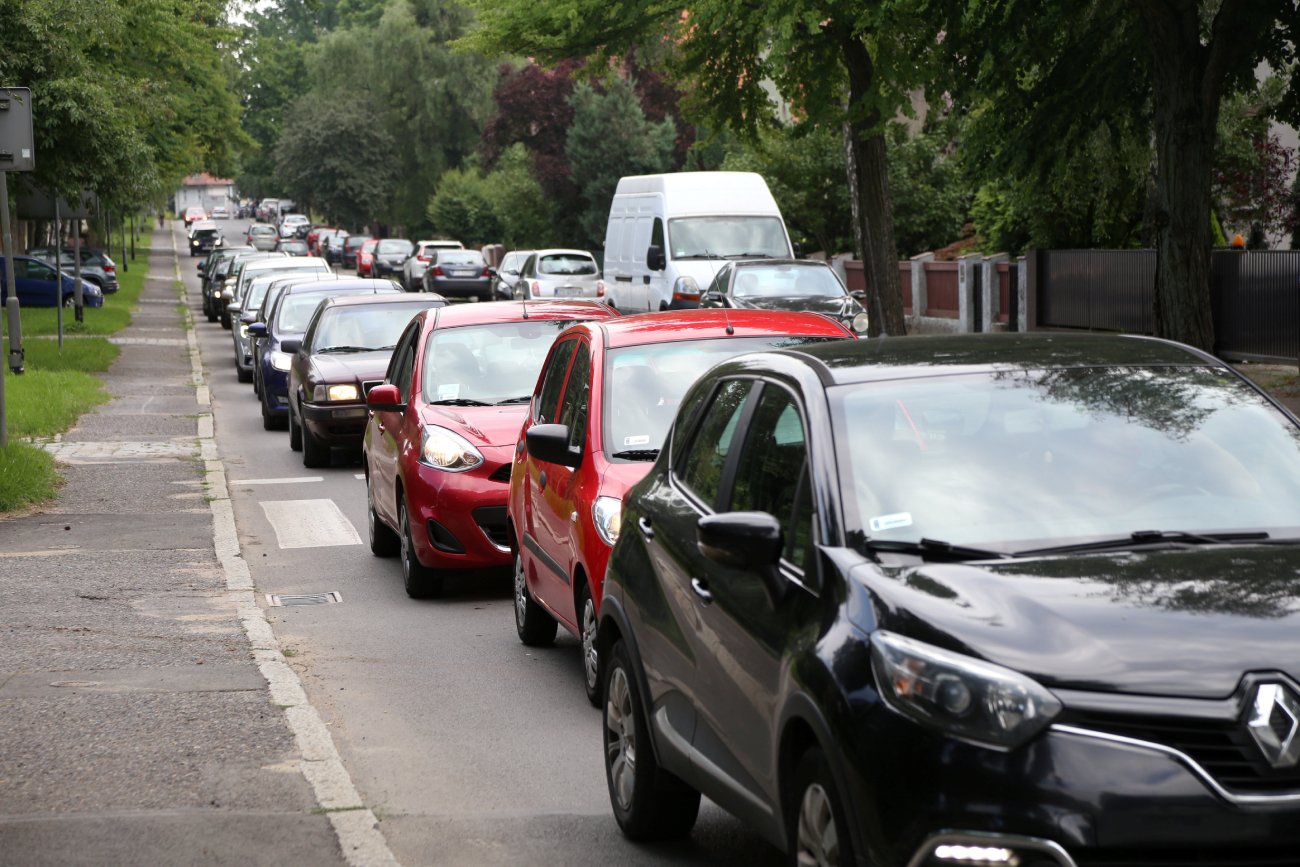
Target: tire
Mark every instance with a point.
(649, 802)
(243, 375)
(270, 422)
(587, 632)
(420, 581)
(383, 541)
(536, 628)
(815, 818)
(69, 301)
(225, 321)
(295, 434)
(315, 453)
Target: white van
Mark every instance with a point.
(668, 234)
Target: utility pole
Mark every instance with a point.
(17, 154)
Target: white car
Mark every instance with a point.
(415, 265)
(220, 213)
(289, 225)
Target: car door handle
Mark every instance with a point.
(701, 590)
(646, 530)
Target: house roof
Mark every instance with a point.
(203, 179)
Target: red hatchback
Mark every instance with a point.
(366, 258)
(607, 395)
(442, 431)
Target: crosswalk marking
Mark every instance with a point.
(290, 480)
(309, 523)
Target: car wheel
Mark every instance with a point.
(587, 625)
(70, 301)
(269, 421)
(225, 321)
(383, 541)
(243, 375)
(535, 626)
(649, 802)
(420, 581)
(295, 433)
(818, 832)
(314, 452)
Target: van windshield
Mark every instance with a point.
(727, 237)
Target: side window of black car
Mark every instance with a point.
(403, 363)
(705, 457)
(573, 408)
(548, 395)
(772, 472)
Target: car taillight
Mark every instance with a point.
(437, 270)
(535, 287)
(485, 272)
(110, 269)
(600, 288)
(423, 258)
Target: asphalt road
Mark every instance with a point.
(468, 746)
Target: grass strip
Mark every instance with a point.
(27, 476)
(58, 386)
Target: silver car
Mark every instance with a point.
(560, 274)
(263, 237)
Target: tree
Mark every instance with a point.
(463, 207)
(526, 215)
(611, 137)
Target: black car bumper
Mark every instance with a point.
(451, 287)
(337, 425)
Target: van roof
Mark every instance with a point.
(704, 192)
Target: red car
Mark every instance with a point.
(442, 433)
(607, 395)
(313, 238)
(366, 258)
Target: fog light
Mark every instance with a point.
(976, 855)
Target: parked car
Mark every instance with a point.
(390, 256)
(442, 433)
(40, 285)
(314, 238)
(458, 274)
(415, 265)
(204, 237)
(560, 274)
(970, 599)
(290, 224)
(246, 270)
(263, 312)
(601, 408)
(288, 321)
(220, 213)
(293, 246)
(779, 284)
(352, 245)
(330, 244)
(366, 258)
(96, 265)
(222, 283)
(208, 276)
(505, 275)
(247, 309)
(261, 236)
(344, 353)
(192, 213)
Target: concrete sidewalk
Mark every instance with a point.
(135, 724)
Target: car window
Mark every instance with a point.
(38, 271)
(400, 368)
(719, 283)
(491, 363)
(787, 281)
(566, 264)
(394, 246)
(548, 392)
(702, 469)
(460, 257)
(577, 394)
(772, 471)
(353, 329)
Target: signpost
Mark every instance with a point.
(17, 154)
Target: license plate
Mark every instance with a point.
(461, 273)
(570, 291)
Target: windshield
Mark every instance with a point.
(1033, 458)
(355, 329)
(719, 237)
(487, 363)
(566, 264)
(645, 384)
(296, 310)
(262, 230)
(394, 246)
(786, 281)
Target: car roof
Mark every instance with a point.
(558, 251)
(700, 324)
(287, 263)
(485, 312)
(912, 357)
(330, 285)
(402, 298)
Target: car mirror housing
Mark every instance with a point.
(749, 541)
(654, 258)
(257, 329)
(550, 443)
(712, 299)
(203, 266)
(385, 398)
(289, 347)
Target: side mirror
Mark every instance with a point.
(290, 346)
(385, 398)
(234, 309)
(712, 299)
(257, 329)
(798, 250)
(860, 295)
(492, 272)
(654, 258)
(203, 266)
(550, 443)
(750, 541)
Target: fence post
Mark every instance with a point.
(967, 286)
(920, 288)
(1029, 313)
(990, 288)
(1022, 294)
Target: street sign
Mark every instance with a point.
(17, 145)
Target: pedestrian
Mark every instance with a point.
(160, 219)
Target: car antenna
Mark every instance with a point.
(725, 315)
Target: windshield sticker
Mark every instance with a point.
(449, 391)
(891, 522)
(636, 441)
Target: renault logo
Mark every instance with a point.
(1275, 725)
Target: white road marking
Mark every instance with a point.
(309, 523)
(291, 480)
(358, 475)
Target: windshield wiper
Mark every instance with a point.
(347, 349)
(934, 549)
(458, 401)
(1150, 537)
(749, 256)
(509, 400)
(637, 454)
(699, 256)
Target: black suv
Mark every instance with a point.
(990, 599)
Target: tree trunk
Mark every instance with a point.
(873, 213)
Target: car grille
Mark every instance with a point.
(1271, 856)
(1224, 748)
(501, 473)
(492, 521)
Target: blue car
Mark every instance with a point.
(39, 285)
(282, 332)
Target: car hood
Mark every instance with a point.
(352, 367)
(830, 306)
(618, 477)
(481, 425)
(1179, 623)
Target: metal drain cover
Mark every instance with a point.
(283, 599)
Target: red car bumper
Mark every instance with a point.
(458, 520)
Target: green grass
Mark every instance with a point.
(27, 476)
(109, 319)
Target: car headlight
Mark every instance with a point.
(963, 697)
(447, 450)
(281, 360)
(860, 323)
(243, 330)
(608, 515)
(323, 393)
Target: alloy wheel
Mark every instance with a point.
(621, 745)
(589, 641)
(818, 840)
(521, 591)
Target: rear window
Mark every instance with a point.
(354, 242)
(459, 257)
(262, 230)
(566, 264)
(394, 246)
